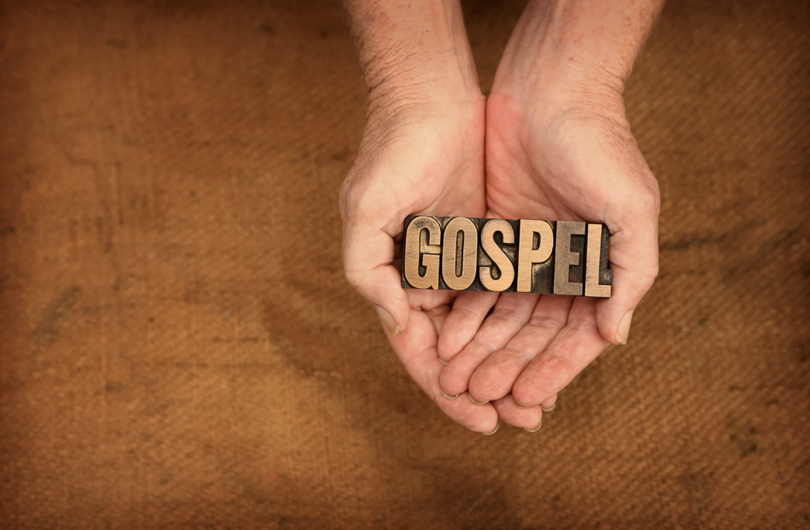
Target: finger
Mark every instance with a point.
(569, 353)
(368, 254)
(549, 404)
(529, 418)
(633, 223)
(469, 310)
(496, 375)
(510, 314)
(416, 348)
(369, 229)
(436, 305)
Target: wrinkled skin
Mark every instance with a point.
(557, 148)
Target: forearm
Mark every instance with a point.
(408, 48)
(582, 41)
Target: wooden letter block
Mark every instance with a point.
(598, 276)
(421, 253)
(500, 273)
(459, 253)
(566, 279)
(502, 255)
(534, 257)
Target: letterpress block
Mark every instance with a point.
(535, 265)
(501, 255)
(598, 276)
(421, 252)
(569, 262)
(459, 253)
(497, 255)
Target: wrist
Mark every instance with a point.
(413, 51)
(432, 84)
(551, 88)
(579, 46)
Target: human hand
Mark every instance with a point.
(558, 147)
(422, 152)
(426, 157)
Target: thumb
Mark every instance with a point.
(368, 255)
(633, 223)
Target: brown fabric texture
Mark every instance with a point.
(179, 349)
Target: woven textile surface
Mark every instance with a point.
(179, 349)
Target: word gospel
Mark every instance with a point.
(526, 256)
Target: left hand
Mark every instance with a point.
(558, 148)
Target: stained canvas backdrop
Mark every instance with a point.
(178, 347)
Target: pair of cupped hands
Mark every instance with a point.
(550, 142)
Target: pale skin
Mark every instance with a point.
(550, 142)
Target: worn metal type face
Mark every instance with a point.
(502, 255)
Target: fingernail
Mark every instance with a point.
(536, 428)
(448, 396)
(548, 409)
(624, 328)
(442, 361)
(479, 403)
(387, 320)
(493, 432)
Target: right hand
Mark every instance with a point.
(419, 155)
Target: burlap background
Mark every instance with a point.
(178, 347)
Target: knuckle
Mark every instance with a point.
(360, 199)
(347, 196)
(548, 321)
(647, 279)
(644, 198)
(650, 197)
(656, 198)
(353, 278)
(559, 370)
(523, 395)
